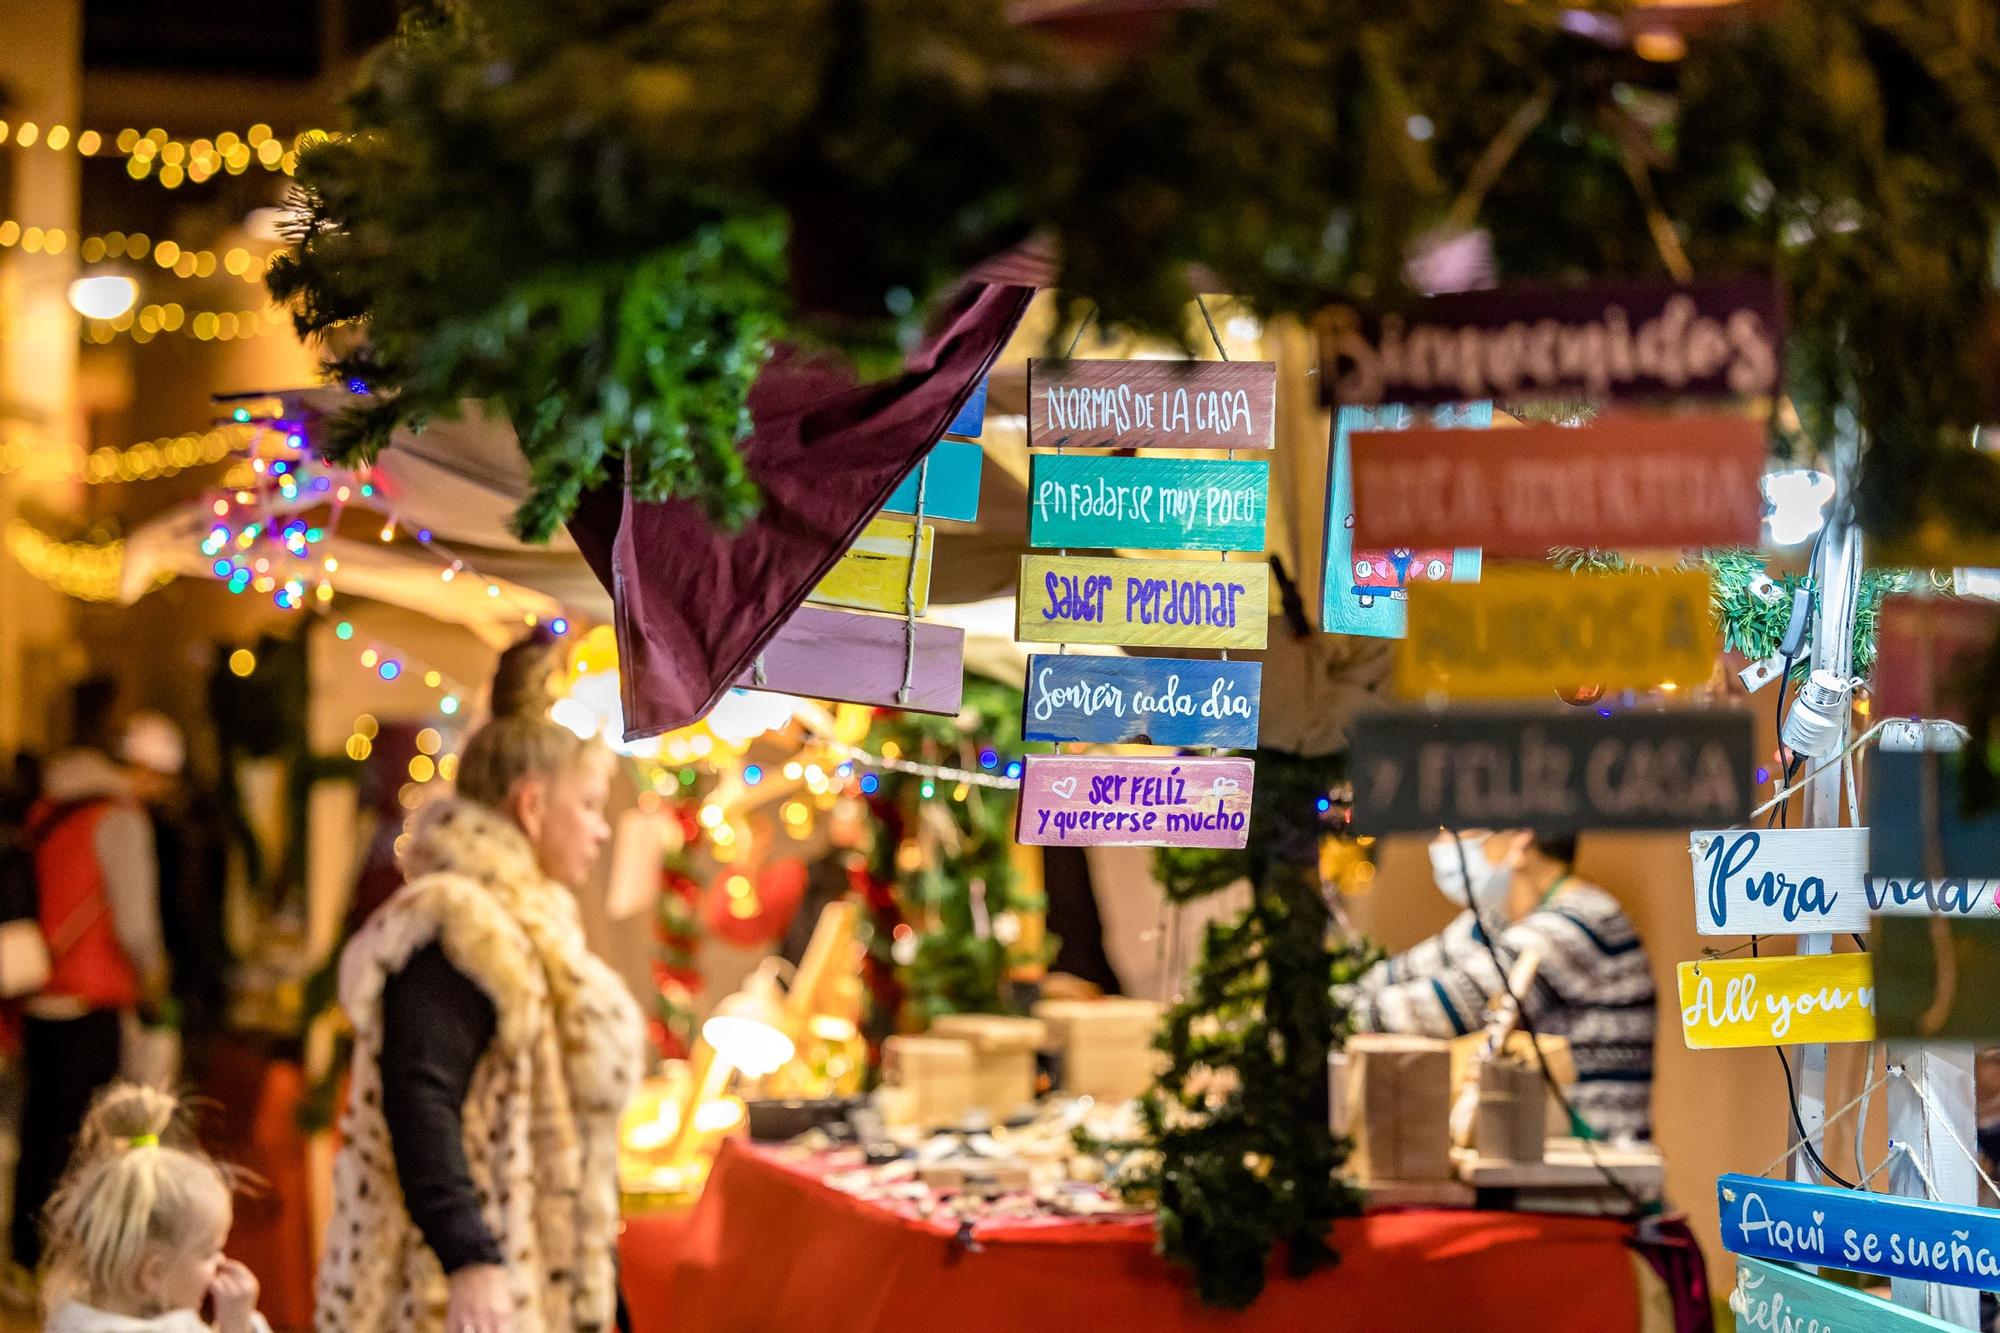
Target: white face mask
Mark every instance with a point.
(1488, 883)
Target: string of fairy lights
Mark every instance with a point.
(171, 257)
(156, 155)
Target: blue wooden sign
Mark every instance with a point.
(1363, 591)
(1771, 1298)
(1142, 700)
(1905, 807)
(1147, 504)
(951, 487)
(971, 419)
(1859, 1231)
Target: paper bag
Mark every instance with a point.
(1399, 1107)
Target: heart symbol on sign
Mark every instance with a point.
(1064, 787)
(1818, 1217)
(1224, 786)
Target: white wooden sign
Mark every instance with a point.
(1799, 881)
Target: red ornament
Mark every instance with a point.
(749, 910)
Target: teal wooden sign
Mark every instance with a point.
(1147, 504)
(1934, 977)
(1771, 1298)
(1861, 1232)
(951, 484)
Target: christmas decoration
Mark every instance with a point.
(1753, 608)
(952, 860)
(666, 181)
(1235, 1153)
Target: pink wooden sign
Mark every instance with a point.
(1093, 801)
(859, 659)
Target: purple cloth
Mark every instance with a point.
(1669, 1247)
(694, 605)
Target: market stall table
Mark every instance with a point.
(771, 1247)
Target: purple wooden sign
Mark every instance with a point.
(1628, 340)
(1092, 801)
(859, 659)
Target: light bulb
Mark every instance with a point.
(1798, 498)
(103, 295)
(1818, 717)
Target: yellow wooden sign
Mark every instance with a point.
(1777, 1001)
(1522, 633)
(1154, 603)
(874, 575)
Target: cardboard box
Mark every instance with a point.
(1106, 1045)
(1399, 1107)
(1003, 1057)
(932, 1077)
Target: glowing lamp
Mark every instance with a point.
(748, 1028)
(103, 295)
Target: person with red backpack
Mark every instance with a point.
(96, 881)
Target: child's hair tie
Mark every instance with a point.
(143, 1141)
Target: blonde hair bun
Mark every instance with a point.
(518, 740)
(127, 1115)
(521, 678)
(127, 1190)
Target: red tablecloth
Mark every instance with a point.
(769, 1248)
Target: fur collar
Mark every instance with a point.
(461, 837)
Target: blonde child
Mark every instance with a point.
(135, 1230)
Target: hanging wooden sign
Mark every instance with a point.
(1937, 978)
(1860, 1231)
(1152, 404)
(951, 486)
(860, 659)
(1142, 701)
(1363, 590)
(1928, 655)
(1627, 340)
(1917, 820)
(1620, 482)
(1155, 603)
(970, 422)
(1799, 881)
(1774, 1298)
(1148, 504)
(1090, 801)
(1521, 633)
(874, 575)
(1807, 999)
(1554, 772)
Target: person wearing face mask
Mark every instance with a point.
(476, 1189)
(1593, 985)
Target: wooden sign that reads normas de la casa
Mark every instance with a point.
(1152, 404)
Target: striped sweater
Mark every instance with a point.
(1594, 987)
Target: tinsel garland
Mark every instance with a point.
(676, 971)
(1237, 1156)
(601, 217)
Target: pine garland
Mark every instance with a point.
(1237, 1157)
(600, 218)
(1753, 609)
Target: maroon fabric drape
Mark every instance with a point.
(694, 605)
